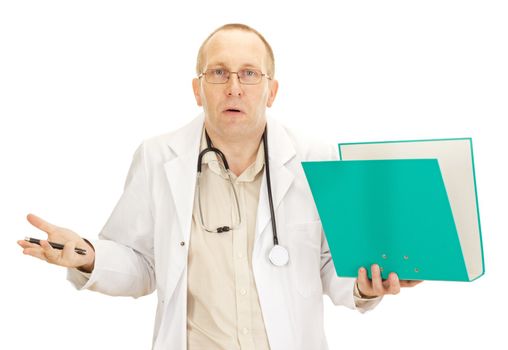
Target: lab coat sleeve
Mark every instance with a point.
(341, 290)
(124, 258)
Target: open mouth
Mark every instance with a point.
(233, 111)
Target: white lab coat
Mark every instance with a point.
(144, 244)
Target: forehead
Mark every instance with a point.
(235, 48)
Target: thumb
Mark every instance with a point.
(72, 259)
(68, 253)
(52, 255)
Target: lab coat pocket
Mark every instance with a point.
(305, 257)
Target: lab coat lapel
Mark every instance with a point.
(281, 151)
(181, 176)
(182, 170)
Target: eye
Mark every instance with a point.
(249, 73)
(218, 72)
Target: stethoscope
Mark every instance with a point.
(278, 255)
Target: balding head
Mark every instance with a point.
(201, 60)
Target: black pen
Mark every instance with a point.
(54, 245)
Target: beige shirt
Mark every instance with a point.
(223, 310)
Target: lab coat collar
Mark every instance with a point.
(280, 152)
(187, 139)
(181, 171)
(280, 146)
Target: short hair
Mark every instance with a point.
(237, 26)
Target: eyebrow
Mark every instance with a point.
(223, 65)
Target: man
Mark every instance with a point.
(220, 290)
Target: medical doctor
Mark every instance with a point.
(217, 217)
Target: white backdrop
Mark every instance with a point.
(82, 83)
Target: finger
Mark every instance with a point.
(52, 255)
(377, 282)
(35, 252)
(409, 284)
(26, 244)
(392, 284)
(40, 223)
(363, 281)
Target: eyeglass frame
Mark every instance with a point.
(261, 74)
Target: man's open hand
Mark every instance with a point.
(66, 257)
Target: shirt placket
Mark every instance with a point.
(242, 280)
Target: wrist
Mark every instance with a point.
(360, 294)
(88, 267)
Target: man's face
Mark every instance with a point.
(235, 111)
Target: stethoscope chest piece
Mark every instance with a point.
(279, 255)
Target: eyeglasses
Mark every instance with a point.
(247, 76)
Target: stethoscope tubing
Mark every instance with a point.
(222, 157)
(269, 188)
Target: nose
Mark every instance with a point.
(233, 86)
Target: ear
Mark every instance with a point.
(274, 87)
(197, 92)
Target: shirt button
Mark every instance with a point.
(240, 255)
(245, 330)
(243, 292)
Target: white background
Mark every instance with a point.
(82, 83)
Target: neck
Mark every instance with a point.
(240, 153)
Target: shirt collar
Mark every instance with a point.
(211, 161)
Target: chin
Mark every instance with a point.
(236, 129)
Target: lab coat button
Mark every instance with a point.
(182, 243)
